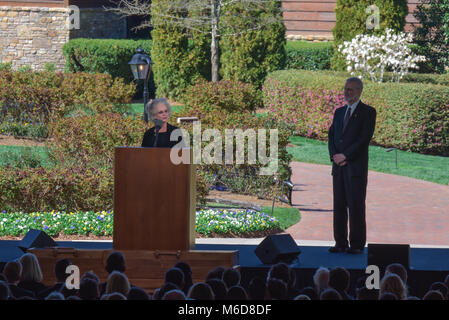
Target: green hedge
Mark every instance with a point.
(309, 55)
(410, 116)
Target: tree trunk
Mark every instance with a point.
(214, 46)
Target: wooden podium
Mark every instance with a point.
(154, 200)
(154, 223)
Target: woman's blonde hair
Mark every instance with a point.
(31, 270)
(117, 282)
(393, 283)
(151, 105)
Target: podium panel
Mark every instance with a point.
(154, 200)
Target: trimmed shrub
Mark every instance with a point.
(250, 54)
(40, 189)
(222, 96)
(410, 116)
(351, 19)
(90, 140)
(109, 56)
(309, 55)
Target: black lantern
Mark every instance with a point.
(141, 68)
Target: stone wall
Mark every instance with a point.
(97, 23)
(33, 36)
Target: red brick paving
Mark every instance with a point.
(398, 209)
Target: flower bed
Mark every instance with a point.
(211, 221)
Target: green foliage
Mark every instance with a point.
(90, 140)
(20, 157)
(109, 56)
(410, 116)
(308, 55)
(432, 34)
(352, 16)
(222, 96)
(248, 55)
(40, 189)
(5, 66)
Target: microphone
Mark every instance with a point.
(157, 126)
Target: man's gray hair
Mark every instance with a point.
(151, 105)
(357, 80)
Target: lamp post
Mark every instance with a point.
(141, 68)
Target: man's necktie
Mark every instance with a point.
(347, 116)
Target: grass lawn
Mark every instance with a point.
(137, 108)
(414, 165)
(301, 44)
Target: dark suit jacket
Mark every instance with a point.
(163, 140)
(354, 141)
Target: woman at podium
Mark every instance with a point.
(159, 111)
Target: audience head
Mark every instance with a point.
(89, 289)
(398, 269)
(237, 293)
(280, 271)
(185, 267)
(277, 289)
(413, 298)
(201, 291)
(364, 293)
(216, 273)
(433, 295)
(257, 289)
(321, 279)
(4, 291)
(219, 288)
(393, 283)
(115, 262)
(311, 293)
(31, 270)
(60, 268)
(388, 296)
(118, 282)
(91, 275)
(330, 294)
(174, 295)
(73, 298)
(231, 277)
(440, 286)
(55, 296)
(136, 293)
(113, 296)
(159, 293)
(339, 279)
(13, 272)
(446, 281)
(301, 297)
(175, 276)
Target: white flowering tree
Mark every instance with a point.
(371, 56)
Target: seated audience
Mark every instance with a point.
(137, 293)
(201, 291)
(174, 295)
(114, 262)
(219, 288)
(31, 278)
(175, 276)
(310, 292)
(339, 279)
(89, 289)
(185, 267)
(433, 295)
(440, 286)
(159, 293)
(12, 272)
(215, 273)
(231, 277)
(60, 275)
(236, 293)
(117, 282)
(398, 269)
(393, 283)
(257, 289)
(55, 296)
(113, 296)
(4, 291)
(301, 297)
(388, 296)
(330, 294)
(364, 293)
(277, 289)
(321, 279)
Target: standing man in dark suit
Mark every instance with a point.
(349, 137)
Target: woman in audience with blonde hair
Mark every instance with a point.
(31, 278)
(321, 280)
(118, 282)
(393, 283)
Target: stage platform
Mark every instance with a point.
(427, 264)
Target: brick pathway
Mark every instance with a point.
(399, 209)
